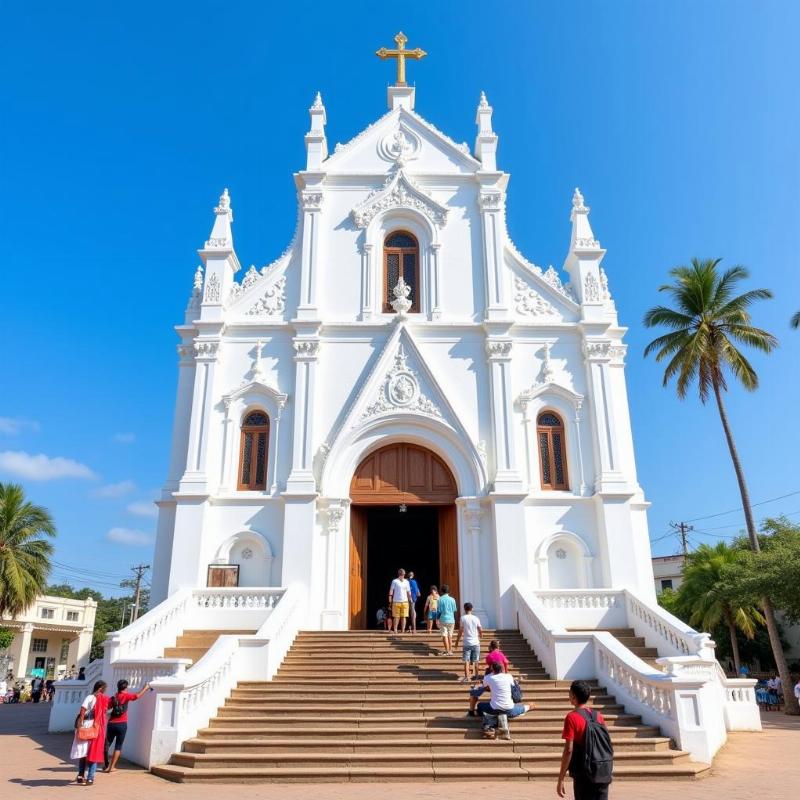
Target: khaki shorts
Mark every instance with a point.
(399, 610)
(447, 628)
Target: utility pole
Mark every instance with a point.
(138, 572)
(683, 529)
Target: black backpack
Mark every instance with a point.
(594, 759)
(117, 708)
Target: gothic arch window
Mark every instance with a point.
(400, 260)
(253, 451)
(552, 450)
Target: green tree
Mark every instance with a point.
(6, 638)
(775, 569)
(710, 600)
(708, 323)
(24, 549)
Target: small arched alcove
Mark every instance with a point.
(252, 554)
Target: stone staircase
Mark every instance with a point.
(371, 706)
(195, 644)
(636, 644)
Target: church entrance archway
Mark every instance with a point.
(385, 537)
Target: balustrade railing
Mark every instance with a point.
(579, 598)
(668, 633)
(236, 598)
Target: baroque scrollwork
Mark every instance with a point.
(529, 302)
(212, 288)
(272, 301)
(498, 349)
(399, 191)
(204, 349)
(591, 289)
(305, 349)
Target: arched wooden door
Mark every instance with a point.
(396, 474)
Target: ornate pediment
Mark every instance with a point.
(529, 303)
(399, 192)
(400, 391)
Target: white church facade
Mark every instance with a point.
(403, 388)
(512, 380)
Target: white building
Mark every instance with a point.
(53, 635)
(668, 572)
(401, 387)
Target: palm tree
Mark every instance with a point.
(707, 600)
(708, 323)
(24, 550)
(795, 320)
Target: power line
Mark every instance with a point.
(683, 530)
(752, 505)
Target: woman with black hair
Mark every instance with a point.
(118, 721)
(89, 743)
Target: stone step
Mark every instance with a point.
(193, 653)
(501, 755)
(401, 684)
(408, 722)
(232, 729)
(344, 695)
(368, 710)
(522, 742)
(389, 774)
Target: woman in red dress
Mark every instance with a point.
(94, 710)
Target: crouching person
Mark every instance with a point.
(588, 753)
(501, 686)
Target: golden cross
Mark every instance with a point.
(401, 54)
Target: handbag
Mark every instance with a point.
(516, 692)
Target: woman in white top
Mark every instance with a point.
(90, 752)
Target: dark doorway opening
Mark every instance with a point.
(407, 539)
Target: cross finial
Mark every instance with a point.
(401, 54)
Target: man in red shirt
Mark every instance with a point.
(573, 736)
(118, 725)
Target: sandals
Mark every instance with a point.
(79, 780)
(489, 733)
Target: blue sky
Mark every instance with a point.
(124, 121)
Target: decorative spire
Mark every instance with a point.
(224, 206)
(582, 235)
(221, 237)
(486, 139)
(316, 143)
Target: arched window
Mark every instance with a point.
(400, 259)
(552, 450)
(253, 451)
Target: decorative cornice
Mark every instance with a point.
(399, 191)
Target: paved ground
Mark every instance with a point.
(32, 766)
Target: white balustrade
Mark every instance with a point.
(236, 598)
(664, 631)
(151, 633)
(689, 701)
(183, 704)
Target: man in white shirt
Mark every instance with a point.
(500, 685)
(399, 597)
(470, 626)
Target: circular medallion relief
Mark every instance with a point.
(247, 553)
(561, 553)
(399, 145)
(403, 389)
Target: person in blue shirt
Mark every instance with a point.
(412, 606)
(447, 618)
